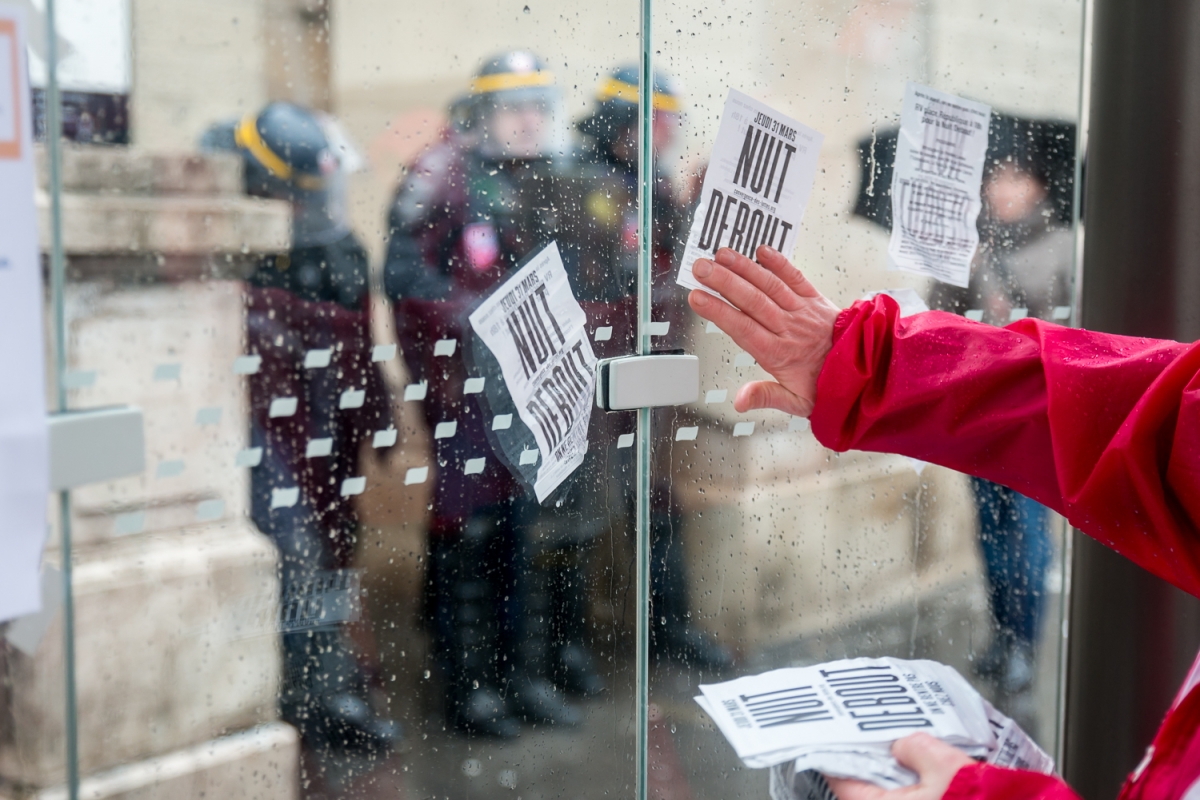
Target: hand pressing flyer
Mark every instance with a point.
(935, 184)
(536, 330)
(759, 179)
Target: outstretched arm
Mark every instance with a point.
(1104, 429)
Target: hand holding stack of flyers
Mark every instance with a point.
(840, 719)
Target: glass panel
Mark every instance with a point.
(332, 578)
(769, 550)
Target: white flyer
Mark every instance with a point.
(935, 184)
(24, 453)
(759, 179)
(537, 331)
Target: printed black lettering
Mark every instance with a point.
(710, 219)
(786, 226)
(541, 293)
(739, 227)
(859, 691)
(541, 348)
(890, 724)
(729, 201)
(746, 159)
(867, 702)
(754, 232)
(522, 346)
(783, 173)
(770, 145)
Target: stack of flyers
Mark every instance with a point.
(840, 719)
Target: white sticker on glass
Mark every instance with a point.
(658, 328)
(743, 428)
(352, 398)
(798, 424)
(625, 440)
(687, 434)
(974, 314)
(416, 475)
(169, 469)
(603, 334)
(318, 448)
(711, 327)
(445, 430)
(473, 385)
(249, 457)
(285, 498)
(384, 438)
(1062, 312)
(282, 407)
(208, 416)
(529, 457)
(445, 347)
(1018, 313)
(474, 466)
(316, 359)
(353, 486)
(167, 372)
(501, 422)
(132, 522)
(208, 510)
(383, 352)
(79, 378)
(743, 359)
(246, 365)
(715, 396)
(416, 391)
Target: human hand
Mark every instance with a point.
(780, 319)
(935, 762)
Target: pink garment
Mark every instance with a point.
(1104, 429)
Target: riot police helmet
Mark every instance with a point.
(616, 110)
(514, 108)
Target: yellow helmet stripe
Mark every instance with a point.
(246, 135)
(613, 89)
(511, 80)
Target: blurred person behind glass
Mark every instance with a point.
(312, 298)
(1023, 268)
(607, 278)
(469, 211)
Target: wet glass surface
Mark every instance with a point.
(334, 578)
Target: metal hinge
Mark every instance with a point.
(653, 381)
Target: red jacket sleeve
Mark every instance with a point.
(1104, 429)
(985, 782)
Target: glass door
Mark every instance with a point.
(769, 550)
(344, 572)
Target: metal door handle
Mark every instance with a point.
(665, 379)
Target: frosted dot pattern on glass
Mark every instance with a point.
(445, 347)
(283, 407)
(248, 457)
(247, 365)
(285, 498)
(317, 359)
(352, 398)
(318, 447)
